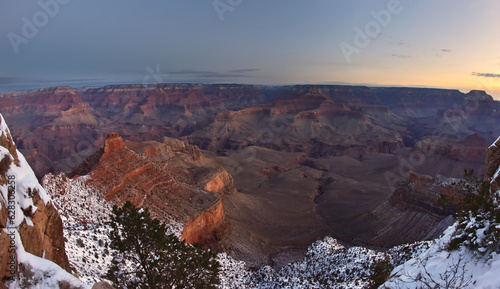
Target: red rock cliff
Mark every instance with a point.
(147, 177)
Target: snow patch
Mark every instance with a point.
(496, 175)
(495, 143)
(40, 273)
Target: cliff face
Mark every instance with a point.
(66, 125)
(45, 238)
(307, 119)
(472, 147)
(26, 213)
(414, 211)
(208, 228)
(191, 195)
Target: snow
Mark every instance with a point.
(496, 175)
(327, 264)
(84, 213)
(40, 273)
(482, 273)
(25, 180)
(495, 143)
(477, 268)
(3, 125)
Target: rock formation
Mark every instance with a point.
(26, 211)
(191, 195)
(57, 128)
(299, 162)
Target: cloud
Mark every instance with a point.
(438, 52)
(76, 80)
(491, 75)
(401, 56)
(191, 72)
(8, 80)
(212, 74)
(402, 43)
(245, 70)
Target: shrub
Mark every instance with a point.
(63, 284)
(160, 260)
(479, 218)
(381, 271)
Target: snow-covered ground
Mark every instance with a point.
(438, 267)
(474, 264)
(85, 215)
(327, 264)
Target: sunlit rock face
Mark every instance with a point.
(150, 175)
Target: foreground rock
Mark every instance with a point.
(32, 228)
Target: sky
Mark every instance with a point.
(426, 43)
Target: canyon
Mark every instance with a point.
(264, 171)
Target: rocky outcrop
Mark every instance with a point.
(113, 143)
(45, 238)
(218, 181)
(208, 228)
(5, 255)
(472, 147)
(415, 211)
(7, 142)
(423, 193)
(32, 215)
(171, 193)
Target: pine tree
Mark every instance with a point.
(148, 257)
